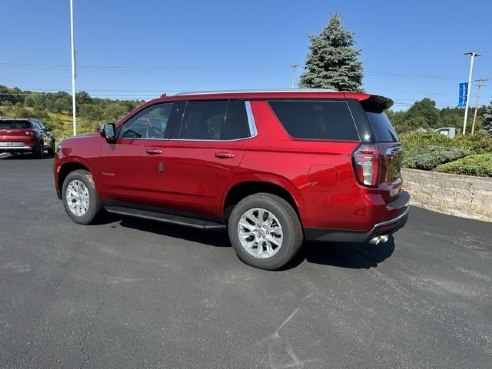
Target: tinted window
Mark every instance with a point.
(15, 124)
(318, 120)
(215, 120)
(236, 123)
(382, 127)
(149, 123)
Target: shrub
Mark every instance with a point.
(414, 140)
(475, 165)
(479, 143)
(428, 157)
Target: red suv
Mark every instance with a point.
(25, 135)
(271, 167)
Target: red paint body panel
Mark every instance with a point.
(196, 176)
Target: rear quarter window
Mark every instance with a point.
(382, 127)
(316, 119)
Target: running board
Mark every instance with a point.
(166, 218)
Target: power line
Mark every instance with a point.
(217, 67)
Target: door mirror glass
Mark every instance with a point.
(108, 131)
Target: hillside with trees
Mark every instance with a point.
(55, 109)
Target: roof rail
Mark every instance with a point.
(254, 91)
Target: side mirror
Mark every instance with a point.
(108, 131)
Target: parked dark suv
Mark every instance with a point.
(271, 167)
(23, 135)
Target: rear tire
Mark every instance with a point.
(51, 150)
(265, 231)
(80, 197)
(39, 150)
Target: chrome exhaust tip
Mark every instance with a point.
(379, 239)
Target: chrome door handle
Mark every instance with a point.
(224, 155)
(153, 151)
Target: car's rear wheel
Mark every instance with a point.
(80, 197)
(39, 150)
(265, 231)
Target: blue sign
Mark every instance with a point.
(463, 98)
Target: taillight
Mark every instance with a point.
(366, 164)
(30, 133)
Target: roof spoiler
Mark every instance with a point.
(377, 103)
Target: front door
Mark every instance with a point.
(131, 168)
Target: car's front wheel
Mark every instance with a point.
(80, 197)
(265, 231)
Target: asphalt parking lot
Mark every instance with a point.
(137, 294)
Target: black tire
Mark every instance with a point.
(38, 151)
(51, 150)
(94, 209)
(289, 221)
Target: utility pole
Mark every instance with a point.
(72, 46)
(472, 55)
(479, 86)
(294, 66)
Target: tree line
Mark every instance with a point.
(92, 109)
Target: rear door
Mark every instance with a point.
(204, 153)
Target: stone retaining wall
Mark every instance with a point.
(463, 196)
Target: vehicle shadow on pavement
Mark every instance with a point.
(344, 255)
(217, 239)
(25, 157)
(349, 255)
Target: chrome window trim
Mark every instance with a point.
(145, 138)
(251, 119)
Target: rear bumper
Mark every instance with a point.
(16, 146)
(386, 227)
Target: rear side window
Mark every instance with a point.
(382, 127)
(316, 119)
(215, 120)
(15, 124)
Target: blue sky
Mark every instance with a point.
(129, 49)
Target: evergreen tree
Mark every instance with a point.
(332, 61)
(487, 119)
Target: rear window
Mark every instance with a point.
(15, 124)
(382, 127)
(316, 119)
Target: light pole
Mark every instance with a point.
(473, 55)
(72, 46)
(294, 66)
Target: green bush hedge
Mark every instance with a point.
(475, 165)
(428, 150)
(479, 143)
(427, 158)
(415, 140)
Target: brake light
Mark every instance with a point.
(29, 133)
(367, 165)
